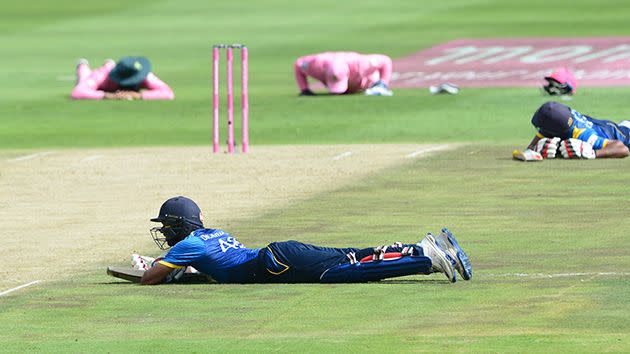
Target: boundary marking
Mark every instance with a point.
(342, 155)
(19, 287)
(31, 156)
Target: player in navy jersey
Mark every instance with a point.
(223, 258)
(577, 135)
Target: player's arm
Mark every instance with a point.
(156, 89)
(156, 274)
(384, 65)
(533, 143)
(301, 79)
(614, 149)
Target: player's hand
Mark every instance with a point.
(307, 92)
(129, 95)
(139, 262)
(548, 147)
(123, 95)
(576, 149)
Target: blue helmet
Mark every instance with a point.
(179, 217)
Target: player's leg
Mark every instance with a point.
(372, 264)
(430, 246)
(83, 70)
(99, 74)
(297, 262)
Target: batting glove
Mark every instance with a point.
(576, 149)
(548, 147)
(139, 262)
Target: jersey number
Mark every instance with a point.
(229, 242)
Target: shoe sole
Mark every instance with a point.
(443, 260)
(461, 258)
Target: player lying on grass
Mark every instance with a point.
(220, 256)
(345, 72)
(129, 79)
(576, 135)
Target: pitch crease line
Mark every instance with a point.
(19, 287)
(31, 156)
(427, 150)
(556, 275)
(341, 156)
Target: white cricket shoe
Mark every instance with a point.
(440, 260)
(379, 89)
(447, 241)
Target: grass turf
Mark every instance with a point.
(518, 222)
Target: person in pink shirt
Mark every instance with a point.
(129, 79)
(345, 72)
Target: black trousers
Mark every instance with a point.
(297, 262)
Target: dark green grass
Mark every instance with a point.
(41, 42)
(554, 217)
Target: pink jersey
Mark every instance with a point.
(343, 72)
(92, 85)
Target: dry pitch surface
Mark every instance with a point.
(67, 211)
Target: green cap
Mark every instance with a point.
(130, 71)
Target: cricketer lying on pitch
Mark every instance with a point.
(574, 135)
(222, 258)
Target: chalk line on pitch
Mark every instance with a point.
(19, 287)
(427, 150)
(29, 157)
(342, 155)
(554, 275)
(92, 158)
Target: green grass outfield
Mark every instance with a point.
(555, 218)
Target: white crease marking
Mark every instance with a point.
(555, 275)
(31, 156)
(19, 287)
(341, 156)
(427, 150)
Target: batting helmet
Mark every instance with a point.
(179, 217)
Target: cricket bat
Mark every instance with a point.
(134, 275)
(129, 274)
(527, 155)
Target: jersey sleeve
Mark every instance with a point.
(156, 89)
(590, 136)
(184, 253)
